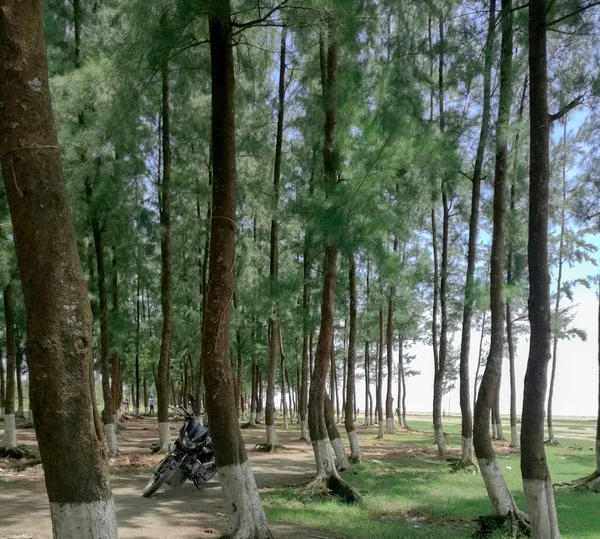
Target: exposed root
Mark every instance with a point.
(270, 448)
(249, 425)
(591, 483)
(335, 486)
(24, 465)
(464, 466)
(551, 441)
(516, 523)
(19, 452)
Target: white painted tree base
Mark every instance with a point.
(9, 440)
(30, 415)
(118, 416)
(286, 424)
(440, 440)
(92, 520)
(253, 419)
(500, 496)
(272, 438)
(390, 428)
(246, 514)
(164, 437)
(514, 437)
(323, 459)
(341, 459)
(200, 419)
(354, 446)
(110, 432)
(136, 412)
(20, 412)
(304, 433)
(381, 429)
(541, 508)
(499, 432)
(467, 450)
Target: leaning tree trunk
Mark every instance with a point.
(503, 503)
(166, 277)
(551, 439)
(246, 515)
(59, 319)
(465, 346)
(537, 483)
(9, 440)
(351, 383)
(341, 458)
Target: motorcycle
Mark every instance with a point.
(190, 457)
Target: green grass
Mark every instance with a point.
(407, 496)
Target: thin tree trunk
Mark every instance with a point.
(537, 483)
(400, 376)
(551, 439)
(18, 371)
(242, 500)
(380, 378)
(306, 372)
(351, 384)
(510, 279)
(500, 496)
(389, 400)
(54, 289)
(283, 381)
(9, 440)
(2, 385)
(166, 283)
(465, 399)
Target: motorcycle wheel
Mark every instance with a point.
(158, 478)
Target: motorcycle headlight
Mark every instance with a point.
(186, 443)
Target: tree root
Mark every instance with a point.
(516, 523)
(19, 452)
(552, 441)
(249, 425)
(464, 466)
(270, 448)
(590, 483)
(335, 486)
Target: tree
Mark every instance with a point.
(54, 289)
(247, 518)
(9, 440)
(351, 384)
(537, 483)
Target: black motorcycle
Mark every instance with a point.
(190, 457)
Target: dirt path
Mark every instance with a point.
(185, 513)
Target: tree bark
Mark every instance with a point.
(537, 483)
(246, 515)
(166, 277)
(59, 319)
(351, 383)
(500, 496)
(465, 346)
(306, 373)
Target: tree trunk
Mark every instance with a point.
(246, 515)
(500, 496)
(351, 384)
(9, 439)
(116, 359)
(537, 483)
(283, 381)
(510, 279)
(389, 400)
(306, 373)
(19, 371)
(465, 346)
(54, 289)
(166, 278)
(551, 439)
(380, 378)
(341, 459)
(400, 375)
(2, 385)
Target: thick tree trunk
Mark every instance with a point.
(500, 496)
(537, 483)
(551, 439)
(380, 378)
(247, 518)
(54, 289)
(351, 383)
(465, 346)
(166, 281)
(341, 459)
(9, 439)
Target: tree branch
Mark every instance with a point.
(259, 21)
(572, 14)
(567, 108)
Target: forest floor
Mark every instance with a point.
(408, 491)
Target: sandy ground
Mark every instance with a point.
(184, 512)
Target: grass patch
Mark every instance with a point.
(408, 492)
